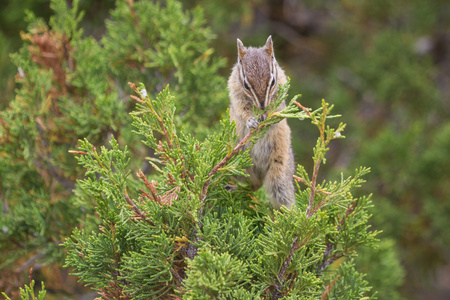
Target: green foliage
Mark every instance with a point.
(349, 284)
(28, 292)
(378, 78)
(382, 268)
(71, 87)
(212, 275)
(223, 14)
(388, 78)
(167, 45)
(37, 172)
(181, 232)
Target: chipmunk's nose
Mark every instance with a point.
(262, 105)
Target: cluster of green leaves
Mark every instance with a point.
(168, 45)
(71, 87)
(223, 14)
(28, 292)
(181, 232)
(35, 133)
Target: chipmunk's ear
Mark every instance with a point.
(269, 46)
(241, 49)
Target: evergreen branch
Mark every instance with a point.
(309, 212)
(118, 291)
(46, 157)
(138, 27)
(235, 150)
(192, 249)
(316, 168)
(347, 212)
(150, 186)
(137, 210)
(330, 260)
(330, 247)
(113, 291)
(328, 289)
(301, 180)
(285, 266)
(319, 120)
(306, 110)
(316, 208)
(155, 114)
(225, 160)
(176, 275)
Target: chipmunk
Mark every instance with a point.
(254, 81)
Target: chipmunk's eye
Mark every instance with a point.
(272, 83)
(246, 86)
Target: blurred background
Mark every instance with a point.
(385, 65)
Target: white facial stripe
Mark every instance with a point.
(241, 71)
(273, 76)
(255, 99)
(266, 101)
(274, 69)
(244, 81)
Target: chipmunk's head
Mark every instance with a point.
(258, 73)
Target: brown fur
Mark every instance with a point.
(272, 155)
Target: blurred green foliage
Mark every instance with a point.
(384, 64)
(70, 87)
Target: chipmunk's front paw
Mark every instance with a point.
(252, 123)
(230, 188)
(262, 118)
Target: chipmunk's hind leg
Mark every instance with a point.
(279, 181)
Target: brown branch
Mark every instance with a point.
(77, 152)
(229, 156)
(166, 134)
(329, 261)
(313, 188)
(177, 276)
(306, 110)
(160, 119)
(170, 196)
(137, 99)
(315, 209)
(224, 161)
(137, 211)
(30, 274)
(150, 187)
(68, 184)
(330, 247)
(192, 249)
(301, 180)
(285, 266)
(329, 288)
(347, 212)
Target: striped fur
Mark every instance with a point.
(254, 81)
